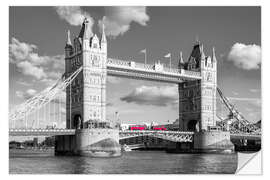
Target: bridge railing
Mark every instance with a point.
(149, 131)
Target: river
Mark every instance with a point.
(134, 162)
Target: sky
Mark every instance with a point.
(37, 37)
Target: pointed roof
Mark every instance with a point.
(68, 38)
(202, 52)
(181, 62)
(214, 55)
(68, 42)
(103, 39)
(82, 30)
(197, 54)
(85, 32)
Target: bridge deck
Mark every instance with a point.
(178, 136)
(41, 132)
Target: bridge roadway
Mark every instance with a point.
(176, 136)
(156, 72)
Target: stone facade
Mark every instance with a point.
(86, 97)
(197, 99)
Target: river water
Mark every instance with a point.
(134, 162)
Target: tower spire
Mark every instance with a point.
(68, 38)
(86, 31)
(181, 61)
(181, 57)
(197, 41)
(214, 55)
(202, 52)
(103, 39)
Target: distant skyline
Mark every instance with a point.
(38, 35)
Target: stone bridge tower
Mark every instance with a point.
(86, 97)
(197, 99)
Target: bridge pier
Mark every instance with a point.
(212, 141)
(203, 142)
(89, 142)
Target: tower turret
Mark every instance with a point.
(68, 47)
(202, 52)
(214, 55)
(103, 39)
(68, 39)
(181, 62)
(85, 34)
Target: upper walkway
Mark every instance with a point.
(153, 72)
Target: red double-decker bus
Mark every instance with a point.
(137, 127)
(159, 128)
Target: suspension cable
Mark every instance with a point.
(70, 101)
(60, 110)
(50, 113)
(43, 97)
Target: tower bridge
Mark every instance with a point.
(86, 69)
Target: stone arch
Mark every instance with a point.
(192, 125)
(77, 121)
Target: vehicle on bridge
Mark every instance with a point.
(159, 128)
(138, 127)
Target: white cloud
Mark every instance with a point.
(74, 15)
(19, 51)
(27, 94)
(30, 63)
(254, 90)
(153, 95)
(117, 20)
(113, 79)
(29, 69)
(24, 83)
(253, 101)
(245, 56)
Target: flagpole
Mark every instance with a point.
(170, 61)
(145, 57)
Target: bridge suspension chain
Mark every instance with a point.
(237, 122)
(41, 99)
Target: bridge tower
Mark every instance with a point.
(197, 99)
(197, 103)
(86, 98)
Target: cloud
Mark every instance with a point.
(30, 63)
(117, 20)
(27, 94)
(245, 56)
(253, 101)
(254, 90)
(235, 93)
(29, 69)
(109, 104)
(74, 15)
(113, 79)
(24, 83)
(153, 95)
